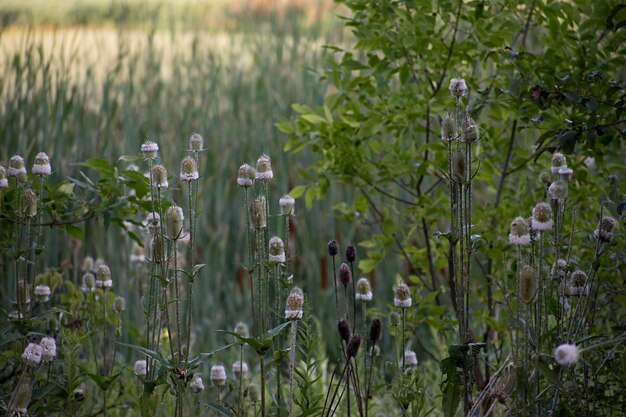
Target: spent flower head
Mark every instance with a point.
(402, 296)
(345, 275)
(527, 284)
(159, 176)
(276, 250)
(294, 304)
(188, 169)
(258, 215)
(174, 222)
(604, 231)
(264, 170)
(196, 142)
(363, 289)
(448, 127)
(519, 234)
(558, 162)
(566, 354)
(42, 164)
(29, 203)
(32, 354)
(196, 385)
(246, 176)
(286, 203)
(16, 167)
(542, 217)
(48, 348)
(240, 368)
(457, 87)
(149, 149)
(153, 222)
(558, 190)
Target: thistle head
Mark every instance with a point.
(246, 176)
(159, 176)
(542, 217)
(258, 217)
(119, 304)
(353, 346)
(527, 284)
(242, 329)
(287, 204)
(17, 169)
(402, 296)
(218, 375)
(351, 253)
(276, 250)
(333, 249)
(174, 222)
(448, 127)
(264, 170)
(149, 149)
(363, 289)
(457, 87)
(343, 327)
(604, 231)
(196, 142)
(29, 203)
(558, 161)
(294, 304)
(345, 275)
(566, 355)
(519, 233)
(188, 169)
(376, 330)
(4, 182)
(196, 385)
(48, 348)
(42, 164)
(558, 190)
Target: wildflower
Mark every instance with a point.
(218, 375)
(457, 87)
(558, 161)
(410, 358)
(286, 203)
(258, 217)
(264, 170)
(332, 248)
(363, 290)
(48, 348)
(104, 273)
(558, 190)
(196, 142)
(402, 297)
(159, 177)
(604, 231)
(119, 304)
(32, 354)
(542, 217)
(141, 368)
(351, 253)
(42, 293)
(471, 132)
(448, 127)
(246, 176)
(566, 355)
(29, 203)
(242, 329)
(16, 166)
(565, 173)
(196, 385)
(42, 164)
(394, 318)
(240, 368)
(153, 223)
(376, 330)
(343, 327)
(20, 403)
(519, 235)
(188, 169)
(345, 276)
(4, 182)
(277, 250)
(527, 284)
(578, 284)
(559, 268)
(137, 254)
(353, 346)
(149, 149)
(174, 221)
(89, 281)
(294, 304)
(88, 264)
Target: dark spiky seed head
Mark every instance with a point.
(376, 330)
(345, 276)
(351, 253)
(344, 330)
(353, 346)
(333, 249)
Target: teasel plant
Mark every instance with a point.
(293, 313)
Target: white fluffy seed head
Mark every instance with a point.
(566, 355)
(363, 290)
(287, 204)
(32, 354)
(141, 368)
(218, 375)
(42, 164)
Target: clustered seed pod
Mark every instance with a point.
(559, 269)
(376, 330)
(448, 127)
(29, 203)
(196, 385)
(119, 304)
(294, 304)
(32, 354)
(457, 87)
(527, 284)
(542, 217)
(159, 176)
(242, 329)
(258, 217)
(353, 346)
(48, 348)
(410, 358)
(4, 182)
(402, 296)
(345, 276)
(351, 253)
(459, 165)
(218, 375)
(519, 235)
(287, 204)
(141, 368)
(42, 293)
(363, 290)
(246, 176)
(343, 327)
(188, 169)
(605, 228)
(558, 190)
(149, 149)
(558, 161)
(264, 170)
(17, 169)
(333, 249)
(196, 142)
(566, 354)
(174, 221)
(277, 250)
(240, 368)
(42, 164)
(23, 394)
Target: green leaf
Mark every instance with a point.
(297, 191)
(220, 409)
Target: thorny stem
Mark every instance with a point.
(190, 266)
(250, 259)
(292, 363)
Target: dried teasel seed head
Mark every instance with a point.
(153, 223)
(103, 272)
(345, 275)
(363, 290)
(394, 318)
(520, 233)
(402, 296)
(246, 176)
(258, 217)
(566, 355)
(159, 176)
(42, 164)
(333, 249)
(605, 228)
(558, 190)
(471, 131)
(29, 203)
(276, 250)
(448, 127)
(218, 375)
(542, 217)
(527, 284)
(119, 304)
(242, 329)
(353, 346)
(558, 161)
(196, 142)
(457, 87)
(19, 405)
(294, 304)
(287, 204)
(459, 165)
(351, 253)
(174, 222)
(565, 173)
(578, 284)
(90, 281)
(376, 330)
(264, 170)
(149, 149)
(343, 327)
(16, 168)
(188, 169)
